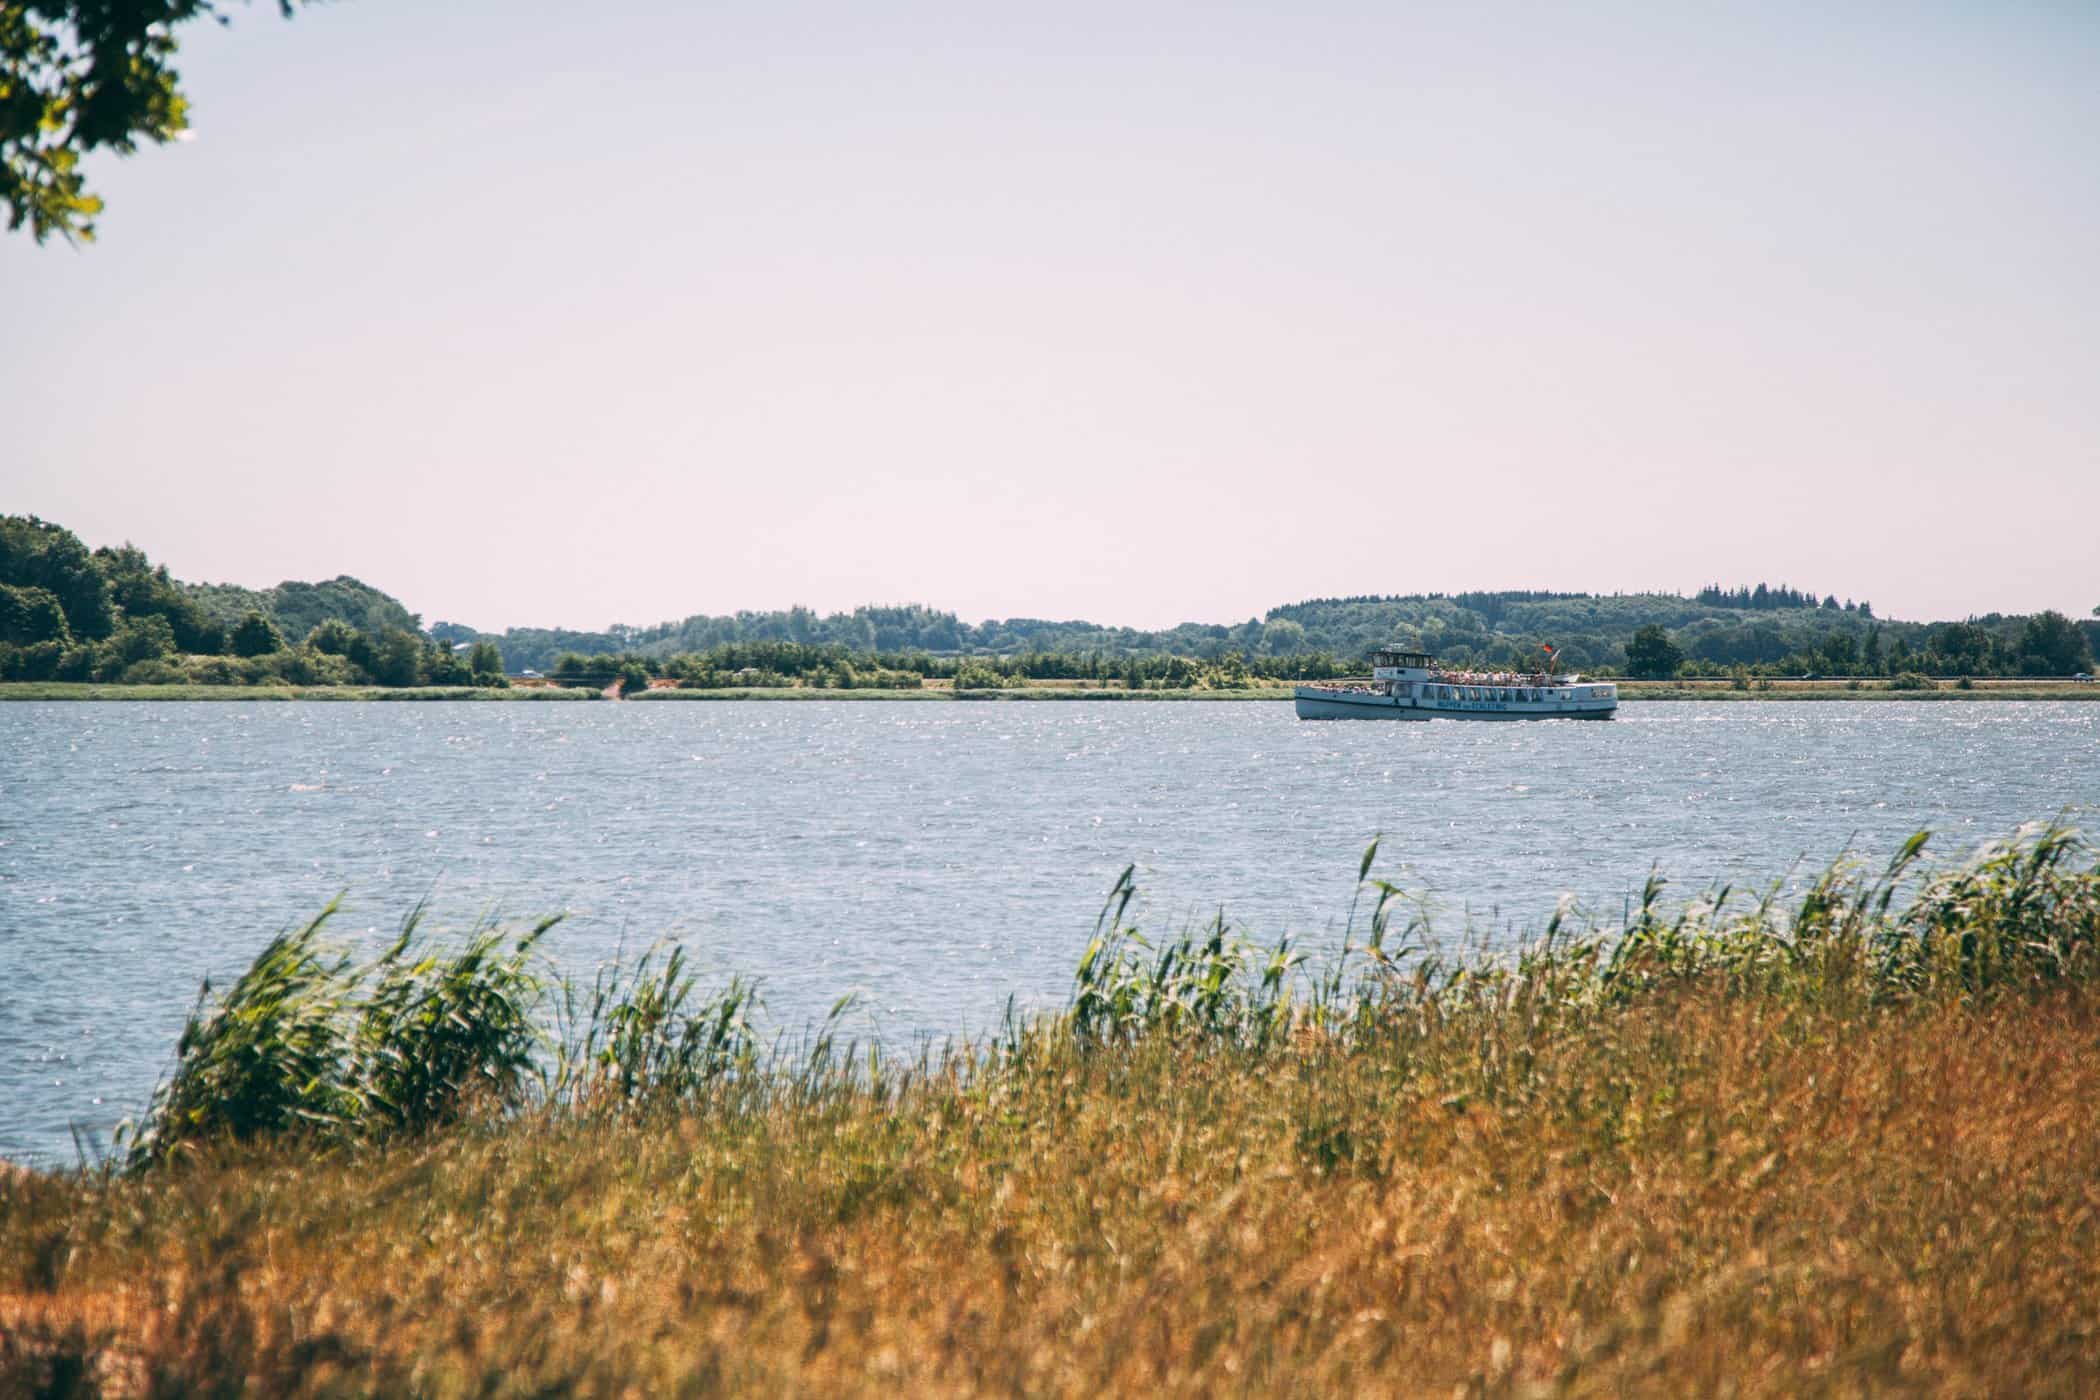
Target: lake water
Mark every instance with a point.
(935, 858)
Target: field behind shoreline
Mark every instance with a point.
(1842, 1147)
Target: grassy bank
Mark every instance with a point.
(1018, 694)
(1842, 1146)
(66, 690)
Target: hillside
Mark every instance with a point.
(1715, 628)
(113, 616)
(70, 613)
(297, 608)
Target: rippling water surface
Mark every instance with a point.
(937, 858)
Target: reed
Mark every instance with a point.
(1836, 1140)
(312, 1045)
(643, 1037)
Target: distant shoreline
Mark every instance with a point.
(1631, 692)
(333, 694)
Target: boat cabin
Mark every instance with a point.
(1389, 665)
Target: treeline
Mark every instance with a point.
(833, 666)
(1760, 629)
(68, 613)
(112, 615)
(1766, 599)
(2043, 644)
(1497, 629)
(879, 631)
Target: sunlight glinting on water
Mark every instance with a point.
(936, 859)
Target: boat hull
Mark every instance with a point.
(1319, 702)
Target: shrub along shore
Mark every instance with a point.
(1839, 1141)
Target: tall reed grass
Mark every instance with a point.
(310, 1043)
(1832, 1139)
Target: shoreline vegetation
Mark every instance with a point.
(1629, 691)
(69, 615)
(1836, 1140)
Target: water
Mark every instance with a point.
(935, 858)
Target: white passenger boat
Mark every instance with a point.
(1410, 685)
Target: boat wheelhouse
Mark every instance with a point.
(1410, 685)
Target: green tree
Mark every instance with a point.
(335, 637)
(1229, 672)
(1283, 637)
(486, 664)
(137, 639)
(307, 666)
(37, 554)
(139, 587)
(256, 635)
(398, 658)
(78, 76)
(1652, 655)
(2051, 645)
(444, 666)
(29, 616)
(634, 678)
(1840, 654)
(1958, 648)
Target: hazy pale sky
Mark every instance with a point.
(567, 314)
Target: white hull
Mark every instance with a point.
(1332, 702)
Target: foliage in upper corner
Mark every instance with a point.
(78, 76)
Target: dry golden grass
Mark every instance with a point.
(1699, 1192)
(1842, 1148)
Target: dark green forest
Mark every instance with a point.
(69, 613)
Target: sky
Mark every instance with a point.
(561, 315)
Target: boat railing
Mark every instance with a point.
(1500, 678)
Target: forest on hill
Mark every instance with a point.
(75, 614)
(1716, 631)
(68, 613)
